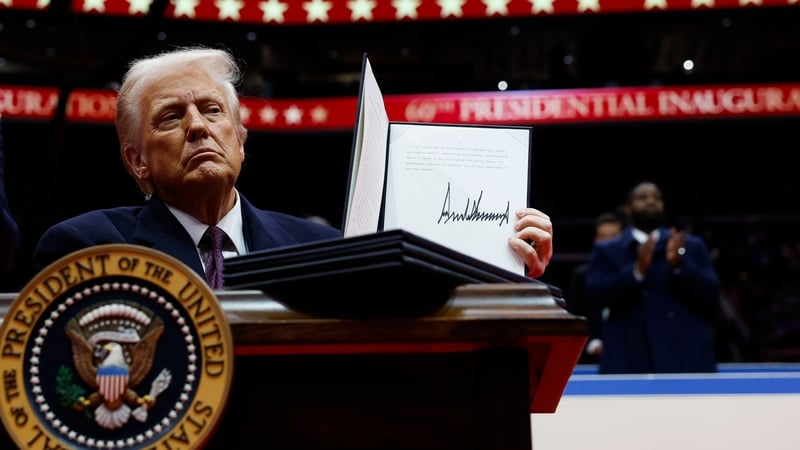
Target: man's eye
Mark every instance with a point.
(213, 110)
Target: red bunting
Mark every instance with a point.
(501, 108)
(300, 12)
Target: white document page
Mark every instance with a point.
(369, 160)
(459, 186)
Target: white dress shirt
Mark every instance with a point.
(231, 224)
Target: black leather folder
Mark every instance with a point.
(392, 272)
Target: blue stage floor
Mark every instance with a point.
(731, 379)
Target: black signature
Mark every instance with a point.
(471, 214)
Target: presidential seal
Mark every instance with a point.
(115, 347)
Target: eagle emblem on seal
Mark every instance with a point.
(113, 349)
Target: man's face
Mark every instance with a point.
(607, 230)
(646, 207)
(191, 141)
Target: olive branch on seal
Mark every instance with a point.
(66, 388)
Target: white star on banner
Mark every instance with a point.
(406, 8)
(273, 10)
(451, 7)
(652, 4)
(361, 9)
(699, 3)
(185, 7)
(97, 5)
(139, 6)
(229, 9)
(538, 6)
(585, 5)
(245, 112)
(41, 4)
(6, 3)
(317, 10)
(319, 114)
(496, 7)
(751, 2)
(293, 115)
(268, 114)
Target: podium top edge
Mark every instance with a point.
(492, 300)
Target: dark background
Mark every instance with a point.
(733, 181)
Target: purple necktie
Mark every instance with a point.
(213, 237)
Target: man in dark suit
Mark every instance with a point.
(607, 225)
(661, 290)
(182, 139)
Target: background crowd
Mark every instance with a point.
(757, 260)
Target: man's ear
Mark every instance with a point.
(242, 140)
(135, 163)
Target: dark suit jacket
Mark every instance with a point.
(580, 305)
(154, 226)
(662, 323)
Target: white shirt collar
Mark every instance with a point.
(231, 223)
(641, 236)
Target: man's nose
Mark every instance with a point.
(198, 126)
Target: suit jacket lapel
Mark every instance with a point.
(629, 244)
(258, 229)
(160, 230)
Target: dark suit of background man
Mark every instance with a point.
(181, 138)
(661, 290)
(9, 231)
(607, 225)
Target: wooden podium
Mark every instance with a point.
(466, 377)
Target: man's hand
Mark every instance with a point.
(533, 240)
(645, 255)
(675, 246)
